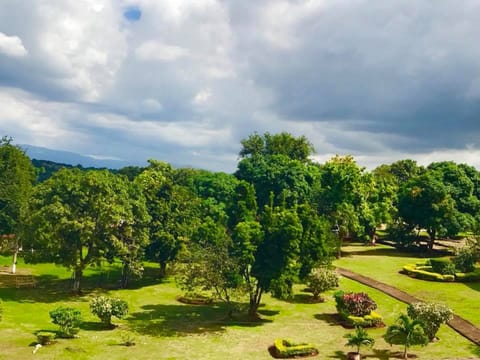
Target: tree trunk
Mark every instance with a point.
(14, 262)
(405, 355)
(431, 234)
(77, 278)
(124, 279)
(163, 269)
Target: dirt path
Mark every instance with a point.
(460, 325)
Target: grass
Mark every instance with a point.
(163, 328)
(383, 263)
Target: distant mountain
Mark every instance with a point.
(70, 158)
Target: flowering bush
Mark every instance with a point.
(105, 308)
(432, 315)
(321, 280)
(465, 259)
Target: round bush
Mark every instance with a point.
(432, 315)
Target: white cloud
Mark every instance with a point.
(202, 97)
(12, 46)
(155, 50)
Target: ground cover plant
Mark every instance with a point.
(460, 297)
(160, 325)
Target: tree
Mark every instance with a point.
(359, 338)
(295, 148)
(406, 332)
(173, 210)
(78, 218)
(424, 202)
(17, 176)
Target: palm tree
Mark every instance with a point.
(359, 338)
(406, 332)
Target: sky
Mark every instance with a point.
(184, 81)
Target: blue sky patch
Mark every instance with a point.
(132, 14)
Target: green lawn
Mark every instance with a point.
(383, 263)
(166, 329)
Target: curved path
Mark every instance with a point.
(460, 325)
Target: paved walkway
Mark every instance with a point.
(460, 325)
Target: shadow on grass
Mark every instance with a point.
(51, 288)
(305, 299)
(394, 252)
(331, 319)
(182, 320)
(377, 354)
(95, 326)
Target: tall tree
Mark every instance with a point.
(17, 176)
(173, 210)
(76, 218)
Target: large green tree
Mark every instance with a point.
(78, 218)
(17, 176)
(174, 212)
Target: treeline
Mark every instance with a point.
(279, 216)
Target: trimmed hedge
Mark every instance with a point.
(468, 277)
(287, 348)
(373, 319)
(413, 271)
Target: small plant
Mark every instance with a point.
(432, 315)
(358, 339)
(128, 339)
(45, 337)
(105, 308)
(69, 320)
(321, 280)
(406, 332)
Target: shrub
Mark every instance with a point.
(442, 266)
(373, 319)
(69, 320)
(105, 308)
(45, 337)
(414, 271)
(465, 259)
(1, 310)
(358, 304)
(287, 348)
(321, 280)
(432, 315)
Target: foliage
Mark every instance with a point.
(465, 259)
(77, 219)
(173, 210)
(45, 337)
(69, 320)
(17, 176)
(371, 320)
(432, 315)
(406, 332)
(1, 310)
(104, 308)
(356, 304)
(287, 348)
(321, 280)
(442, 266)
(359, 338)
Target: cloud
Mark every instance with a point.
(154, 50)
(187, 80)
(12, 46)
